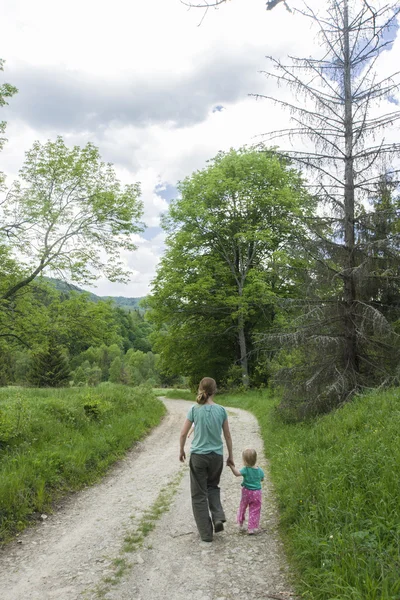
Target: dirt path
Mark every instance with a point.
(73, 554)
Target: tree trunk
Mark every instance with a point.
(243, 352)
(349, 292)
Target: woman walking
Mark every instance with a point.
(206, 459)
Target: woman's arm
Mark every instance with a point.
(182, 440)
(228, 439)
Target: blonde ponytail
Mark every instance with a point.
(207, 388)
(202, 397)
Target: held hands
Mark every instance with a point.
(182, 456)
(230, 462)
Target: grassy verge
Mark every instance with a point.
(176, 394)
(56, 441)
(337, 481)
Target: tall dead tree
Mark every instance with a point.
(343, 340)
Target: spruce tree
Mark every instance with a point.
(379, 234)
(50, 368)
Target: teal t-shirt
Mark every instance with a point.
(252, 477)
(208, 420)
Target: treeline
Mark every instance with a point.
(73, 340)
(110, 363)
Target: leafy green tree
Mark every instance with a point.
(167, 378)
(76, 323)
(79, 376)
(24, 325)
(133, 329)
(50, 368)
(116, 368)
(94, 375)
(21, 366)
(24, 319)
(106, 356)
(235, 223)
(140, 367)
(6, 91)
(118, 373)
(87, 374)
(80, 323)
(69, 215)
(101, 356)
(90, 331)
(89, 356)
(141, 329)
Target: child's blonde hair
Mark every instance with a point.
(207, 388)
(249, 457)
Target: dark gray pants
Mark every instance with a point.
(205, 473)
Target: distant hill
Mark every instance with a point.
(121, 301)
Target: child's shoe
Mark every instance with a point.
(252, 531)
(241, 527)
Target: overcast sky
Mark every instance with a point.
(158, 94)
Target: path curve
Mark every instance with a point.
(71, 554)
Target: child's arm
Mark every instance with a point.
(235, 471)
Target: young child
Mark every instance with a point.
(251, 491)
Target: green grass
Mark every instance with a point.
(56, 441)
(176, 394)
(337, 481)
(148, 521)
